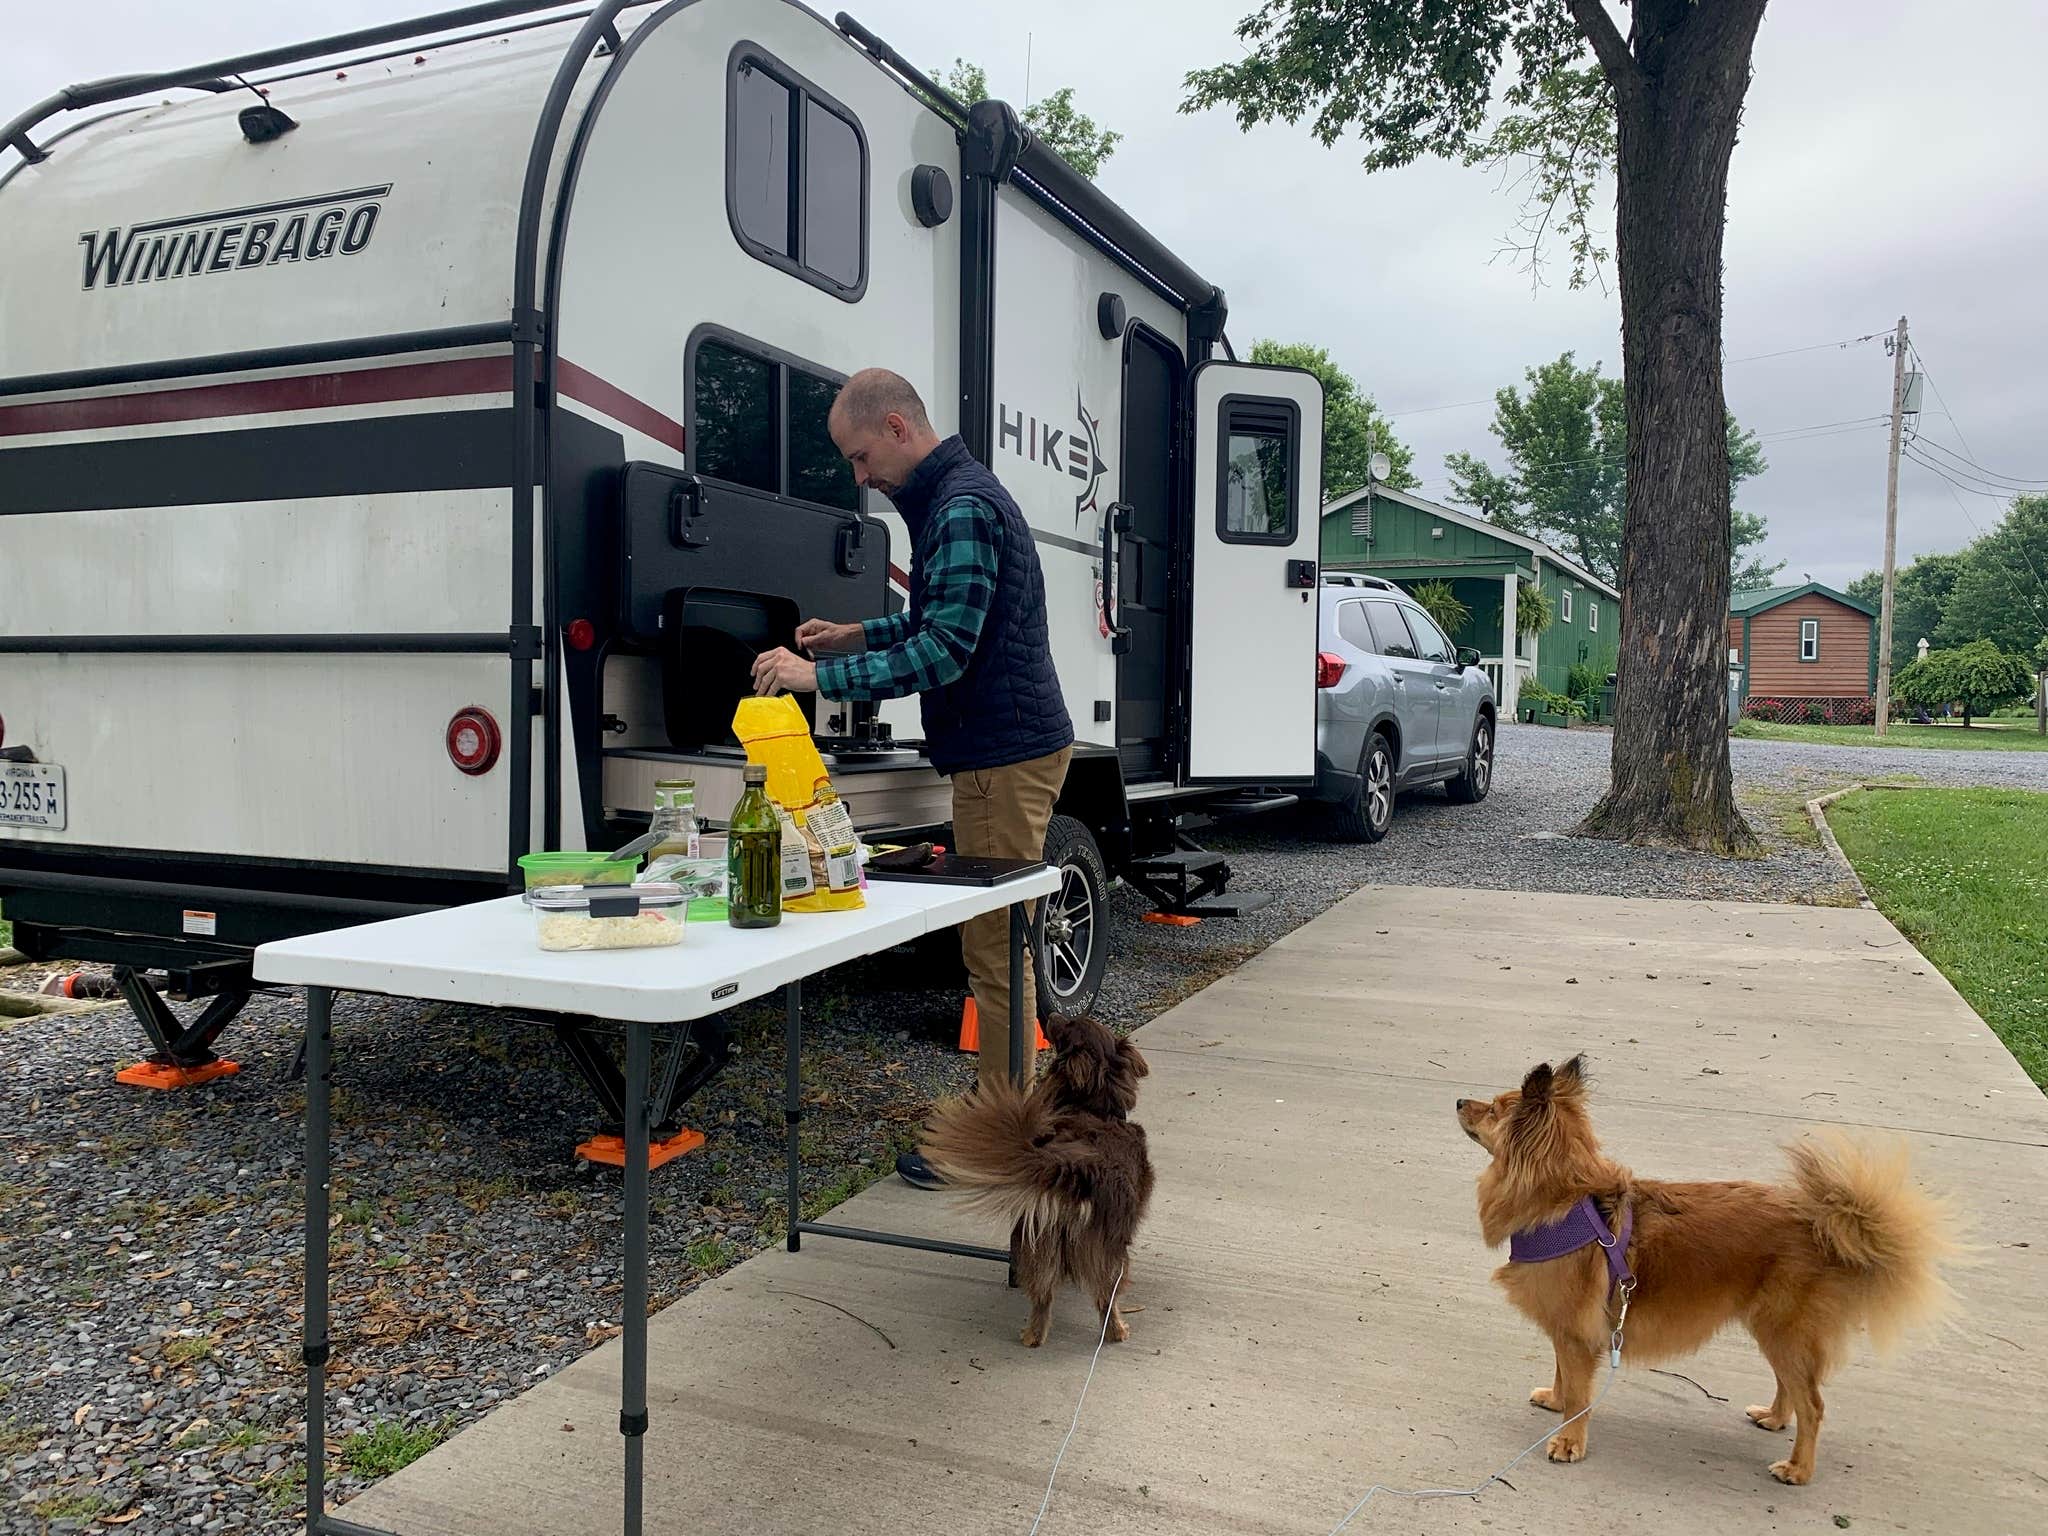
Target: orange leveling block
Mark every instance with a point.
(183, 1057)
(970, 1029)
(1172, 919)
(168, 1075)
(611, 1150)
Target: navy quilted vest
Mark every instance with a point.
(1007, 706)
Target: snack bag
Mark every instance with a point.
(820, 852)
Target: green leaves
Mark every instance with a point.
(1353, 429)
(1076, 137)
(1978, 676)
(1439, 599)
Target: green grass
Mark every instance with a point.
(188, 1351)
(713, 1255)
(71, 1506)
(2003, 737)
(390, 1447)
(1964, 875)
(18, 1439)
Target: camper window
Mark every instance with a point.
(796, 175)
(1255, 485)
(757, 419)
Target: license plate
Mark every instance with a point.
(32, 795)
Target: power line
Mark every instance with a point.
(1973, 483)
(1971, 464)
(2004, 574)
(1755, 357)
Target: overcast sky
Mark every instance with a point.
(1891, 162)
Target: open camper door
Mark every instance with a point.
(1257, 502)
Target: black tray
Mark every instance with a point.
(959, 869)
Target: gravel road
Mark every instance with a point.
(149, 1281)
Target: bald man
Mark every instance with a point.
(972, 645)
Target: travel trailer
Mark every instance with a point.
(409, 438)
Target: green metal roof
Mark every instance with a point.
(1758, 599)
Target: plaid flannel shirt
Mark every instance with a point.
(959, 585)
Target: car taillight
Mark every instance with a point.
(473, 741)
(1329, 669)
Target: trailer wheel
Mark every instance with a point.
(1076, 948)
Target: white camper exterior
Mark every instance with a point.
(396, 473)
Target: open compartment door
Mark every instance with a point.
(1257, 521)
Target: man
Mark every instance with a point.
(972, 644)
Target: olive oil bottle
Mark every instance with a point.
(753, 856)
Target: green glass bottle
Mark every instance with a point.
(753, 856)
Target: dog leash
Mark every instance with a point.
(1625, 1290)
(1108, 1312)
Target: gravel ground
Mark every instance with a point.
(149, 1278)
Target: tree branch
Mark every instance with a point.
(1610, 47)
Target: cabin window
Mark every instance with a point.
(796, 176)
(1809, 639)
(1593, 614)
(1564, 607)
(1261, 446)
(757, 419)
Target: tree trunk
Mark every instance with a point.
(1678, 115)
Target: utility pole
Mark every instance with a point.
(1891, 530)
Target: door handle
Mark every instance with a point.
(1116, 520)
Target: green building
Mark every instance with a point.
(1400, 536)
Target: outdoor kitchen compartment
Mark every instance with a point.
(713, 574)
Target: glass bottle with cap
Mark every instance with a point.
(675, 818)
(753, 856)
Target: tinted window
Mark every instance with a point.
(760, 157)
(834, 181)
(732, 426)
(1389, 633)
(1353, 625)
(816, 471)
(1255, 480)
(1428, 637)
(797, 173)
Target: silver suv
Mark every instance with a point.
(1397, 707)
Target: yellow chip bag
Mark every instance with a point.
(821, 873)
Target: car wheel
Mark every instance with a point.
(1075, 950)
(1367, 815)
(1471, 785)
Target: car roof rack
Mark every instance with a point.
(1354, 579)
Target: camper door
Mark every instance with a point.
(1257, 498)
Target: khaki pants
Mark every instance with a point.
(1001, 813)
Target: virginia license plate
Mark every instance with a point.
(32, 795)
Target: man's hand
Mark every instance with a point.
(821, 637)
(779, 671)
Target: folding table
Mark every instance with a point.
(485, 954)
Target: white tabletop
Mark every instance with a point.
(486, 954)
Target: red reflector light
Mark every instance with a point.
(3, 730)
(1329, 669)
(582, 634)
(473, 741)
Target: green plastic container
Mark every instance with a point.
(544, 869)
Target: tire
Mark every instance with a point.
(1368, 814)
(1476, 778)
(1076, 950)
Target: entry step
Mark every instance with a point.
(1235, 904)
(1254, 803)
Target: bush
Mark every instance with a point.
(1815, 715)
(1978, 676)
(1582, 682)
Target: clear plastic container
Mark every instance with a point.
(547, 870)
(570, 917)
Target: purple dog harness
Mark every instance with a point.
(1578, 1227)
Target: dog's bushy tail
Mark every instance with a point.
(1871, 1220)
(993, 1145)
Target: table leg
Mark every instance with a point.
(319, 1056)
(793, 1105)
(633, 1370)
(1017, 1021)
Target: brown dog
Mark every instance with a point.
(1848, 1243)
(1062, 1163)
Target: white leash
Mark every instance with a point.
(1107, 1313)
(1613, 1370)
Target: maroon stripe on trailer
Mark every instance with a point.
(581, 384)
(259, 397)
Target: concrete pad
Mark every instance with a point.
(1310, 1309)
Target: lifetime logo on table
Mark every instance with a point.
(234, 239)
